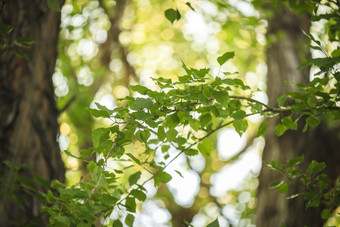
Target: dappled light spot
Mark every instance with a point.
(167, 34)
(116, 65)
(87, 48)
(120, 92)
(229, 143)
(64, 141)
(154, 214)
(60, 83)
(233, 175)
(197, 162)
(65, 128)
(85, 76)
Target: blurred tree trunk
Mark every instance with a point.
(28, 113)
(283, 57)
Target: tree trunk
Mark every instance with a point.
(28, 113)
(321, 144)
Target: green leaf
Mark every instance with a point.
(162, 177)
(99, 113)
(83, 224)
(63, 220)
(190, 6)
(336, 53)
(191, 152)
(239, 82)
(214, 223)
(161, 133)
(276, 165)
(200, 73)
(140, 89)
(134, 158)
(21, 54)
(296, 160)
(99, 135)
(205, 119)
(289, 123)
(281, 100)
(117, 223)
(75, 193)
(240, 114)
(102, 111)
(5, 30)
(194, 124)
(312, 101)
(187, 70)
(299, 107)
(134, 178)
(228, 81)
(221, 97)
(283, 188)
(225, 57)
(171, 134)
(205, 147)
(180, 141)
(313, 203)
(138, 194)
(172, 120)
(129, 220)
(312, 121)
(141, 103)
(262, 129)
(165, 148)
(240, 126)
(56, 184)
(143, 136)
(178, 15)
(315, 167)
(325, 214)
(50, 197)
(73, 156)
(24, 42)
(275, 184)
(325, 63)
(130, 204)
(106, 199)
(323, 182)
(54, 5)
(86, 152)
(179, 173)
(171, 15)
(280, 129)
(311, 37)
(256, 108)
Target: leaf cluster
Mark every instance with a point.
(178, 116)
(317, 186)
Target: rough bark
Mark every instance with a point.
(283, 57)
(28, 113)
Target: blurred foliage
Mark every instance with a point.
(173, 120)
(147, 42)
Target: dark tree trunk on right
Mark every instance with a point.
(322, 144)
